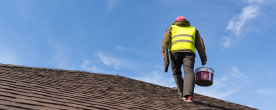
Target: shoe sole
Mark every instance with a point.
(182, 98)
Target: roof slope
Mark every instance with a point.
(50, 89)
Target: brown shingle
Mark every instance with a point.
(30, 88)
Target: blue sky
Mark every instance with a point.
(124, 37)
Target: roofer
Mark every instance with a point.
(181, 39)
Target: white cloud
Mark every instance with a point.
(109, 61)
(227, 42)
(271, 74)
(126, 49)
(116, 63)
(7, 57)
(172, 80)
(236, 24)
(224, 78)
(222, 88)
(119, 47)
(112, 3)
(249, 106)
(253, 1)
(219, 89)
(215, 93)
(155, 77)
(266, 91)
(159, 66)
(92, 69)
(238, 74)
(60, 56)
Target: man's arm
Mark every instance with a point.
(165, 45)
(201, 48)
(166, 39)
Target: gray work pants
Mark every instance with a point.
(185, 86)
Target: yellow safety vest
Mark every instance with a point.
(183, 38)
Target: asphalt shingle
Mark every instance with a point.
(29, 88)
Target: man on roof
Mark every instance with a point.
(181, 39)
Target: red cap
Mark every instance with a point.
(179, 18)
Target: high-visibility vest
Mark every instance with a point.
(183, 38)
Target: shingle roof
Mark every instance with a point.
(31, 88)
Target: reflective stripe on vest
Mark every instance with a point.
(183, 38)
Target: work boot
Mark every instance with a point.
(189, 99)
(182, 98)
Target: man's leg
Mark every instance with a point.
(176, 63)
(189, 75)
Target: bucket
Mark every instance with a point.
(204, 76)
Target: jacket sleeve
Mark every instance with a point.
(166, 39)
(200, 47)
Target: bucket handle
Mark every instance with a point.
(206, 67)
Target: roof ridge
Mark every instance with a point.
(45, 68)
(86, 72)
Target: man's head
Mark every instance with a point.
(179, 18)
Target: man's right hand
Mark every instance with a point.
(204, 62)
(163, 54)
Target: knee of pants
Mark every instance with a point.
(175, 73)
(188, 68)
(189, 73)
